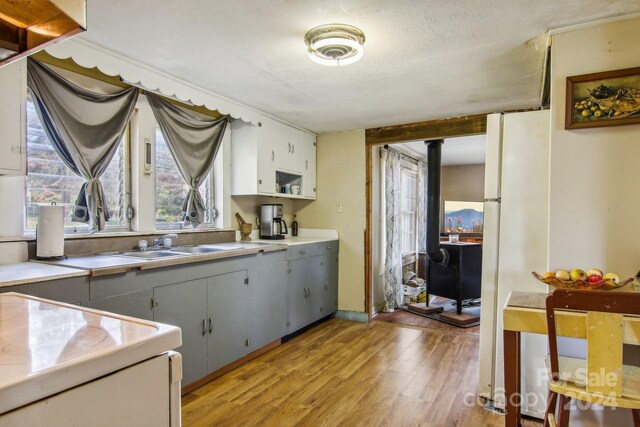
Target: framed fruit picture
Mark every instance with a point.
(609, 98)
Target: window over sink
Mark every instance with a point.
(171, 189)
(49, 180)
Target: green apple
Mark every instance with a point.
(577, 274)
(594, 272)
(562, 275)
(612, 276)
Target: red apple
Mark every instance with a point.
(594, 278)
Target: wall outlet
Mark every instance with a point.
(339, 208)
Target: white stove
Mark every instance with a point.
(54, 356)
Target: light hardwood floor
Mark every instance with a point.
(351, 374)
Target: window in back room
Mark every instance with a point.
(49, 180)
(409, 197)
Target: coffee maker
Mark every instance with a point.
(272, 225)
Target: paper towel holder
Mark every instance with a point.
(55, 232)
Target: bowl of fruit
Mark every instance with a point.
(579, 279)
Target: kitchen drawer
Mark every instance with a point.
(329, 247)
(72, 290)
(301, 251)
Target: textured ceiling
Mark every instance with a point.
(466, 150)
(424, 59)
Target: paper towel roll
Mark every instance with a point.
(50, 232)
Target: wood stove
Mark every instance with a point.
(455, 269)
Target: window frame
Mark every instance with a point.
(408, 168)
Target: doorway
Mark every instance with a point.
(462, 198)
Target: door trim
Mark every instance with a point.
(432, 129)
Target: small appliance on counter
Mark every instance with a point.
(272, 225)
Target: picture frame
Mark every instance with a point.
(462, 217)
(609, 98)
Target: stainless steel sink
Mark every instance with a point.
(149, 254)
(195, 249)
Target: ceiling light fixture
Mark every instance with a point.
(335, 44)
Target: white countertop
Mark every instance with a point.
(47, 347)
(21, 273)
(104, 264)
(305, 235)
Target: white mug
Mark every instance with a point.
(295, 190)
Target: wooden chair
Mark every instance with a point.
(601, 378)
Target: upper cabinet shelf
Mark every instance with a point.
(272, 160)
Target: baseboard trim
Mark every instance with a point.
(356, 316)
(377, 308)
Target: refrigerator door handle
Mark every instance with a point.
(499, 200)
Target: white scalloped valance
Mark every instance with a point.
(89, 55)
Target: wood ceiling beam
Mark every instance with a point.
(432, 129)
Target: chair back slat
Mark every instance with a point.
(605, 333)
(604, 353)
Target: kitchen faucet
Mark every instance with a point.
(165, 241)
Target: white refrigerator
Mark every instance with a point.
(515, 244)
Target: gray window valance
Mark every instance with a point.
(85, 129)
(193, 143)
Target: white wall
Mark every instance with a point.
(594, 180)
(341, 180)
(595, 184)
(462, 183)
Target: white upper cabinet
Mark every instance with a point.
(13, 95)
(272, 159)
(252, 160)
(308, 160)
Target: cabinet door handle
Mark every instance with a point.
(289, 144)
(302, 252)
(204, 327)
(328, 248)
(246, 343)
(306, 164)
(273, 155)
(326, 286)
(210, 325)
(293, 148)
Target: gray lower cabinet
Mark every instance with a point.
(135, 304)
(267, 304)
(228, 318)
(302, 298)
(225, 316)
(185, 305)
(312, 283)
(329, 283)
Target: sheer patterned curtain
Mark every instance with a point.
(85, 129)
(193, 143)
(422, 207)
(393, 292)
